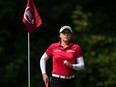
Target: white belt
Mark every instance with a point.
(63, 77)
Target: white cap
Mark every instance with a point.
(65, 27)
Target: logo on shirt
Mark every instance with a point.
(57, 50)
(71, 51)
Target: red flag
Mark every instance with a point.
(31, 17)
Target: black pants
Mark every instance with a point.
(58, 82)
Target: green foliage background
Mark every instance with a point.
(93, 23)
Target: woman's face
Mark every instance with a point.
(65, 35)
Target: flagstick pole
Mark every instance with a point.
(28, 59)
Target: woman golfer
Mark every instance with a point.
(66, 57)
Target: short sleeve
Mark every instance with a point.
(79, 52)
(49, 50)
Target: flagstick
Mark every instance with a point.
(28, 59)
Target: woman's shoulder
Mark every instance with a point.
(54, 44)
(75, 45)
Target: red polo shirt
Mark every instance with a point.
(59, 54)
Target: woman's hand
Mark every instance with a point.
(45, 78)
(68, 64)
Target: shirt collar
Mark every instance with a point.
(59, 44)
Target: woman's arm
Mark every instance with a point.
(43, 60)
(80, 63)
(78, 66)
